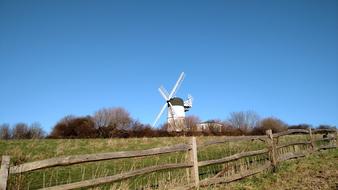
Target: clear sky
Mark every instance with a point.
(278, 58)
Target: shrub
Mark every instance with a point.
(276, 125)
(69, 127)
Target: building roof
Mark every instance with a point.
(176, 101)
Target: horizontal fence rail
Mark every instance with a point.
(326, 147)
(275, 154)
(294, 143)
(289, 132)
(109, 179)
(235, 177)
(232, 157)
(290, 155)
(69, 160)
(233, 139)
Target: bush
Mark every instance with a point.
(69, 127)
(276, 125)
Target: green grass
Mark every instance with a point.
(317, 171)
(22, 151)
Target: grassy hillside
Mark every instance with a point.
(22, 151)
(318, 171)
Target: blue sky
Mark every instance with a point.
(278, 58)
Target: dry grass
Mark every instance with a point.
(22, 151)
(315, 172)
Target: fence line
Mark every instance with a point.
(232, 157)
(192, 165)
(70, 160)
(233, 139)
(290, 131)
(235, 177)
(109, 179)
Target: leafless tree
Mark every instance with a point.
(20, 131)
(245, 121)
(117, 118)
(191, 123)
(164, 127)
(5, 132)
(35, 131)
(102, 117)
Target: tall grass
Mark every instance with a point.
(22, 151)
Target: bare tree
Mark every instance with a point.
(102, 118)
(117, 118)
(164, 127)
(191, 123)
(5, 132)
(110, 121)
(35, 131)
(20, 131)
(245, 121)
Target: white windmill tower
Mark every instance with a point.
(176, 107)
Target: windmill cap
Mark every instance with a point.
(176, 101)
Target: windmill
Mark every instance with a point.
(176, 107)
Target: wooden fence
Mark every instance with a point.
(193, 165)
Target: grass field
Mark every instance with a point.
(22, 151)
(318, 171)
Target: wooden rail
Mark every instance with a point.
(109, 179)
(69, 160)
(233, 139)
(232, 157)
(290, 131)
(192, 165)
(293, 144)
(290, 155)
(235, 177)
(326, 147)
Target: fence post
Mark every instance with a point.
(4, 170)
(336, 138)
(311, 140)
(193, 157)
(272, 148)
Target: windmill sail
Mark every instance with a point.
(176, 106)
